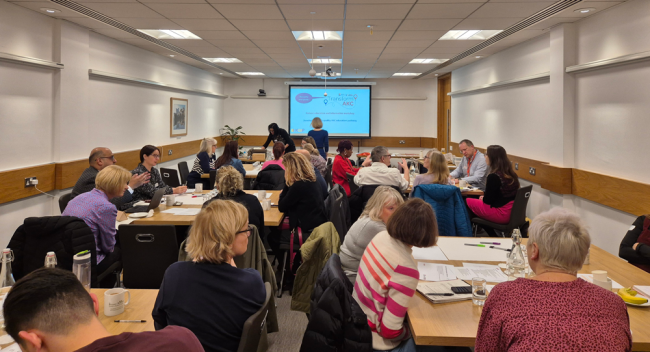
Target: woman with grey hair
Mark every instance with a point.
(554, 310)
(203, 163)
(372, 221)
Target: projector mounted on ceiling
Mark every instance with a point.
(328, 74)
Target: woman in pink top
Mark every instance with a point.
(278, 152)
(554, 311)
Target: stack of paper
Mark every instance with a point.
(430, 253)
(436, 272)
(443, 287)
(183, 211)
(188, 199)
(490, 274)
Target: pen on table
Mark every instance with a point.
(503, 249)
(130, 321)
(475, 245)
(497, 243)
(440, 294)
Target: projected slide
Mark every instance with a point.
(345, 110)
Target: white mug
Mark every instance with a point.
(198, 188)
(462, 184)
(266, 204)
(261, 195)
(114, 301)
(170, 199)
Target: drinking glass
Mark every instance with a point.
(479, 293)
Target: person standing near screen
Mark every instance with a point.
(320, 136)
(277, 134)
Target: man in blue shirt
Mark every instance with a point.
(473, 167)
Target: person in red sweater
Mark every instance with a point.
(342, 165)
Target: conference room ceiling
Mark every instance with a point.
(259, 32)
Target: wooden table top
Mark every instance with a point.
(476, 192)
(272, 217)
(456, 324)
(139, 308)
(247, 167)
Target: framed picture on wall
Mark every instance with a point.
(178, 117)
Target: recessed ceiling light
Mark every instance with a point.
(427, 61)
(324, 61)
(250, 73)
(49, 10)
(318, 35)
(169, 33)
(470, 34)
(220, 73)
(436, 75)
(222, 59)
(405, 74)
(585, 10)
(478, 56)
(172, 55)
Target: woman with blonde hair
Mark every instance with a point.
(96, 210)
(438, 172)
(230, 185)
(203, 163)
(210, 295)
(372, 221)
(320, 137)
(316, 159)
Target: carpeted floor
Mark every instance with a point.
(292, 327)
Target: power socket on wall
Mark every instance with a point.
(516, 166)
(31, 181)
(531, 171)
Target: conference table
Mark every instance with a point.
(272, 217)
(456, 324)
(251, 171)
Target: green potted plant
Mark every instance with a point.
(233, 134)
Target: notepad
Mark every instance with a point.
(643, 290)
(443, 287)
(436, 272)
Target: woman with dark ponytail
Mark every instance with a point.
(277, 134)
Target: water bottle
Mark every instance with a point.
(50, 260)
(516, 264)
(6, 274)
(81, 268)
(412, 173)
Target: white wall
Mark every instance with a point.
(49, 115)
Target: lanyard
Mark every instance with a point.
(469, 162)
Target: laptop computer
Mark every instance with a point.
(155, 202)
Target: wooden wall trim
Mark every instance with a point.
(389, 142)
(12, 182)
(624, 195)
(67, 173)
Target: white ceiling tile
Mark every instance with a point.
(487, 23)
(269, 35)
(523, 35)
(514, 9)
(204, 24)
(276, 43)
(302, 2)
(84, 1)
(377, 12)
(188, 44)
(550, 22)
(240, 43)
(89, 22)
(160, 1)
(430, 25)
(323, 12)
(124, 10)
(287, 56)
(421, 44)
(364, 44)
(224, 35)
(416, 69)
(598, 5)
(149, 23)
(366, 36)
(268, 2)
(359, 50)
(36, 6)
(440, 53)
(295, 50)
(418, 35)
(246, 57)
(260, 25)
(235, 50)
(393, 50)
(448, 1)
(210, 52)
(379, 25)
(422, 11)
(249, 11)
(320, 25)
(185, 10)
(436, 56)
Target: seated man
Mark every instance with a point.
(49, 310)
(379, 172)
(99, 159)
(472, 168)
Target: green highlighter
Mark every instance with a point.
(475, 245)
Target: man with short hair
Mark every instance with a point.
(100, 158)
(376, 171)
(49, 310)
(473, 167)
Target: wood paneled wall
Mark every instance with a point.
(390, 142)
(12, 182)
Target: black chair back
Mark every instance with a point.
(213, 179)
(184, 171)
(255, 325)
(328, 175)
(147, 251)
(170, 177)
(64, 200)
(336, 217)
(518, 213)
(353, 186)
(329, 161)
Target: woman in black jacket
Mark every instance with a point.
(635, 247)
(277, 134)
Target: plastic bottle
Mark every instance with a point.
(81, 268)
(6, 273)
(50, 260)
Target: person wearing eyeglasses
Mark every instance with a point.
(209, 295)
(100, 158)
(376, 171)
(149, 158)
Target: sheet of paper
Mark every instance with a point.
(642, 290)
(173, 210)
(454, 248)
(436, 272)
(443, 287)
(190, 190)
(480, 266)
(188, 211)
(190, 200)
(430, 253)
(590, 278)
(490, 275)
(125, 222)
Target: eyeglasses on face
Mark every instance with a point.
(248, 231)
(112, 157)
(156, 156)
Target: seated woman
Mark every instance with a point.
(635, 247)
(314, 156)
(96, 210)
(388, 274)
(230, 185)
(210, 295)
(278, 152)
(149, 157)
(342, 166)
(308, 140)
(230, 156)
(554, 310)
(203, 163)
(437, 170)
(500, 191)
(372, 221)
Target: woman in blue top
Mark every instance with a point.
(230, 157)
(320, 136)
(204, 163)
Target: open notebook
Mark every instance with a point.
(425, 287)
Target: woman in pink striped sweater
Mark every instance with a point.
(388, 274)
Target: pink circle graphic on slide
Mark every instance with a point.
(304, 98)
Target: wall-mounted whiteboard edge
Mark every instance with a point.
(115, 76)
(330, 82)
(399, 98)
(257, 97)
(30, 61)
(621, 60)
(536, 77)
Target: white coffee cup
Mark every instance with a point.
(198, 188)
(114, 301)
(261, 195)
(266, 204)
(462, 184)
(170, 199)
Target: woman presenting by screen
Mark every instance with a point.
(277, 134)
(320, 136)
